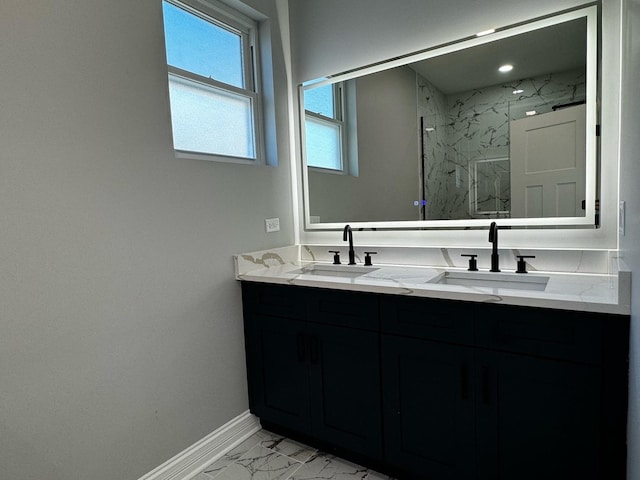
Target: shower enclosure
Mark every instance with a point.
(465, 141)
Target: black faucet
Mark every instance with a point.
(493, 238)
(352, 254)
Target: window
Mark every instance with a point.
(215, 107)
(324, 127)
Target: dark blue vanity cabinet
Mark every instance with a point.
(313, 364)
(500, 392)
(428, 408)
(434, 389)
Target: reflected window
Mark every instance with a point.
(324, 127)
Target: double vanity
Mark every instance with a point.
(452, 363)
(444, 373)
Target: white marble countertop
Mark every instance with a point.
(605, 293)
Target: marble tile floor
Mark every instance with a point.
(267, 456)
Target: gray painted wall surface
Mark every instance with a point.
(121, 336)
(386, 105)
(630, 193)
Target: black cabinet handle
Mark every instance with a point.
(313, 350)
(301, 347)
(485, 385)
(464, 381)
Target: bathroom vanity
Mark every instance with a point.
(419, 386)
(415, 366)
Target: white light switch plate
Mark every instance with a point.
(272, 225)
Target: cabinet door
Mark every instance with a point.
(345, 388)
(428, 407)
(536, 418)
(277, 370)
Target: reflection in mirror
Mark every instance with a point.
(451, 137)
(379, 179)
(491, 187)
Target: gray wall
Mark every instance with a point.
(630, 193)
(386, 106)
(120, 321)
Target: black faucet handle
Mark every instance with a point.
(367, 258)
(336, 256)
(522, 264)
(473, 263)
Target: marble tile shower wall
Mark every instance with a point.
(466, 127)
(432, 106)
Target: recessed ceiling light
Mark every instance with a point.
(531, 113)
(505, 68)
(519, 90)
(486, 32)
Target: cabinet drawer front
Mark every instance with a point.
(343, 308)
(427, 319)
(559, 334)
(278, 300)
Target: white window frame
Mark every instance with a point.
(339, 110)
(232, 20)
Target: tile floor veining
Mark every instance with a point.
(267, 456)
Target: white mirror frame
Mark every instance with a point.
(588, 220)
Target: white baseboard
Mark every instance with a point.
(188, 463)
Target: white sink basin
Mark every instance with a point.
(514, 281)
(348, 271)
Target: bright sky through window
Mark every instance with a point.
(201, 47)
(320, 100)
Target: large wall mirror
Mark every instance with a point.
(497, 126)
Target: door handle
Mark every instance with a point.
(313, 349)
(464, 381)
(485, 385)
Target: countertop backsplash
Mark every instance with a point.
(561, 261)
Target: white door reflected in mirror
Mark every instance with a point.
(548, 164)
